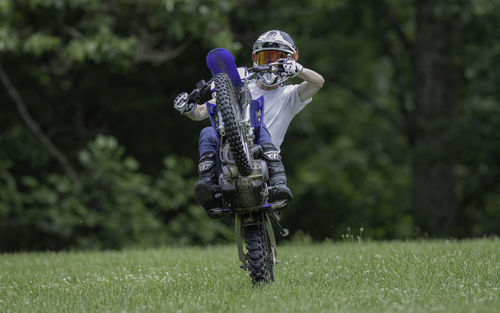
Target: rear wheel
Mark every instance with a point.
(260, 253)
(226, 104)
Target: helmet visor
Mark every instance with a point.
(269, 56)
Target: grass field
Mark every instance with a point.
(422, 276)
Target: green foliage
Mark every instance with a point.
(116, 206)
(353, 179)
(77, 56)
(103, 32)
(87, 67)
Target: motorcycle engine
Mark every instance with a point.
(244, 193)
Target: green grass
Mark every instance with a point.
(422, 276)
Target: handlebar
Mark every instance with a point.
(267, 68)
(201, 91)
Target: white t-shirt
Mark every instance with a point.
(280, 106)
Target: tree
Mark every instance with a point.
(74, 70)
(411, 63)
(389, 144)
(74, 54)
(436, 100)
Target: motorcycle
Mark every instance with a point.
(244, 194)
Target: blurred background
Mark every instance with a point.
(402, 142)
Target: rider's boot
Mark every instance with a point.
(277, 175)
(207, 185)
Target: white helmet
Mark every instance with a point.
(270, 47)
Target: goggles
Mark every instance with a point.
(268, 56)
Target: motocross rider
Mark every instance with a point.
(281, 104)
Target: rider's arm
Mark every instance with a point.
(311, 85)
(187, 104)
(198, 114)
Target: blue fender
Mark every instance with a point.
(220, 60)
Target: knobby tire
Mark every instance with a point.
(260, 255)
(226, 104)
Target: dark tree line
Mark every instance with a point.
(402, 141)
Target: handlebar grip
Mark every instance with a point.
(269, 68)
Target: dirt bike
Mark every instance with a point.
(244, 194)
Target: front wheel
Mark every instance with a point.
(261, 255)
(226, 104)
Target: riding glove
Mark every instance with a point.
(292, 68)
(182, 105)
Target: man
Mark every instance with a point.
(281, 104)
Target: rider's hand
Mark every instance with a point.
(182, 105)
(292, 68)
